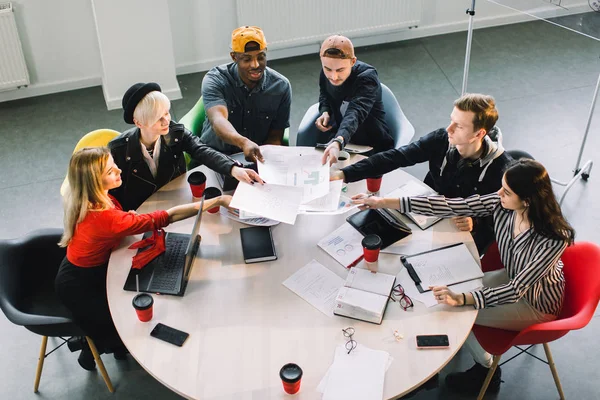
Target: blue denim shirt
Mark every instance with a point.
(253, 113)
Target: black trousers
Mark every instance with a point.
(83, 292)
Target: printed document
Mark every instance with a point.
(289, 167)
(276, 202)
(445, 266)
(329, 202)
(317, 285)
(344, 245)
(427, 298)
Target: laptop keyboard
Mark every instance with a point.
(167, 275)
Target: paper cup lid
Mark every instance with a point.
(197, 178)
(290, 373)
(211, 192)
(142, 301)
(371, 242)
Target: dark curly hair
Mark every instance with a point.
(529, 180)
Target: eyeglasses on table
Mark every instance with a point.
(350, 343)
(399, 296)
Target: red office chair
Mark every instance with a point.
(491, 260)
(582, 293)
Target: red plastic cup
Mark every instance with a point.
(371, 246)
(374, 184)
(143, 304)
(291, 376)
(211, 193)
(197, 181)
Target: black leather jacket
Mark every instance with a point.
(138, 182)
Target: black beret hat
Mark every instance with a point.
(133, 96)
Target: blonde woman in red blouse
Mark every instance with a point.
(94, 224)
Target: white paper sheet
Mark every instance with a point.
(359, 375)
(446, 266)
(271, 201)
(329, 202)
(343, 244)
(317, 285)
(344, 205)
(418, 242)
(286, 166)
(427, 298)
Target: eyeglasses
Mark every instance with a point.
(350, 343)
(403, 300)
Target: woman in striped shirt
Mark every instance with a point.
(531, 233)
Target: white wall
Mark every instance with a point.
(59, 44)
(62, 52)
(135, 46)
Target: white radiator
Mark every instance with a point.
(13, 71)
(289, 23)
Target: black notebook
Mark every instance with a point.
(257, 244)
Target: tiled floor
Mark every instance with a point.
(542, 77)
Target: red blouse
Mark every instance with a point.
(101, 231)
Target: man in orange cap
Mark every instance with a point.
(247, 103)
(350, 101)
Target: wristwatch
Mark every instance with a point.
(340, 140)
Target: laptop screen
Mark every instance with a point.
(194, 242)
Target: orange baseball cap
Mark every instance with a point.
(243, 35)
(342, 47)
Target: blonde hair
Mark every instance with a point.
(85, 190)
(484, 108)
(147, 110)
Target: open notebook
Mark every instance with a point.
(365, 295)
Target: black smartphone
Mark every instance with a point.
(432, 341)
(168, 334)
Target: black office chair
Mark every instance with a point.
(518, 154)
(400, 127)
(28, 266)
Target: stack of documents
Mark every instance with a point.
(296, 182)
(359, 375)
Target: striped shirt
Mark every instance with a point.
(532, 261)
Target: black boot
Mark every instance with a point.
(86, 358)
(76, 343)
(471, 381)
(120, 353)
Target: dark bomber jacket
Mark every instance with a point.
(138, 182)
(449, 174)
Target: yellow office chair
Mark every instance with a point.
(97, 138)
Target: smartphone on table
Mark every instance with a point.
(169, 335)
(432, 342)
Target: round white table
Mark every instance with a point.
(244, 324)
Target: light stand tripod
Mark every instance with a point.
(578, 172)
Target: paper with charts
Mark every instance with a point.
(295, 167)
(270, 201)
(328, 203)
